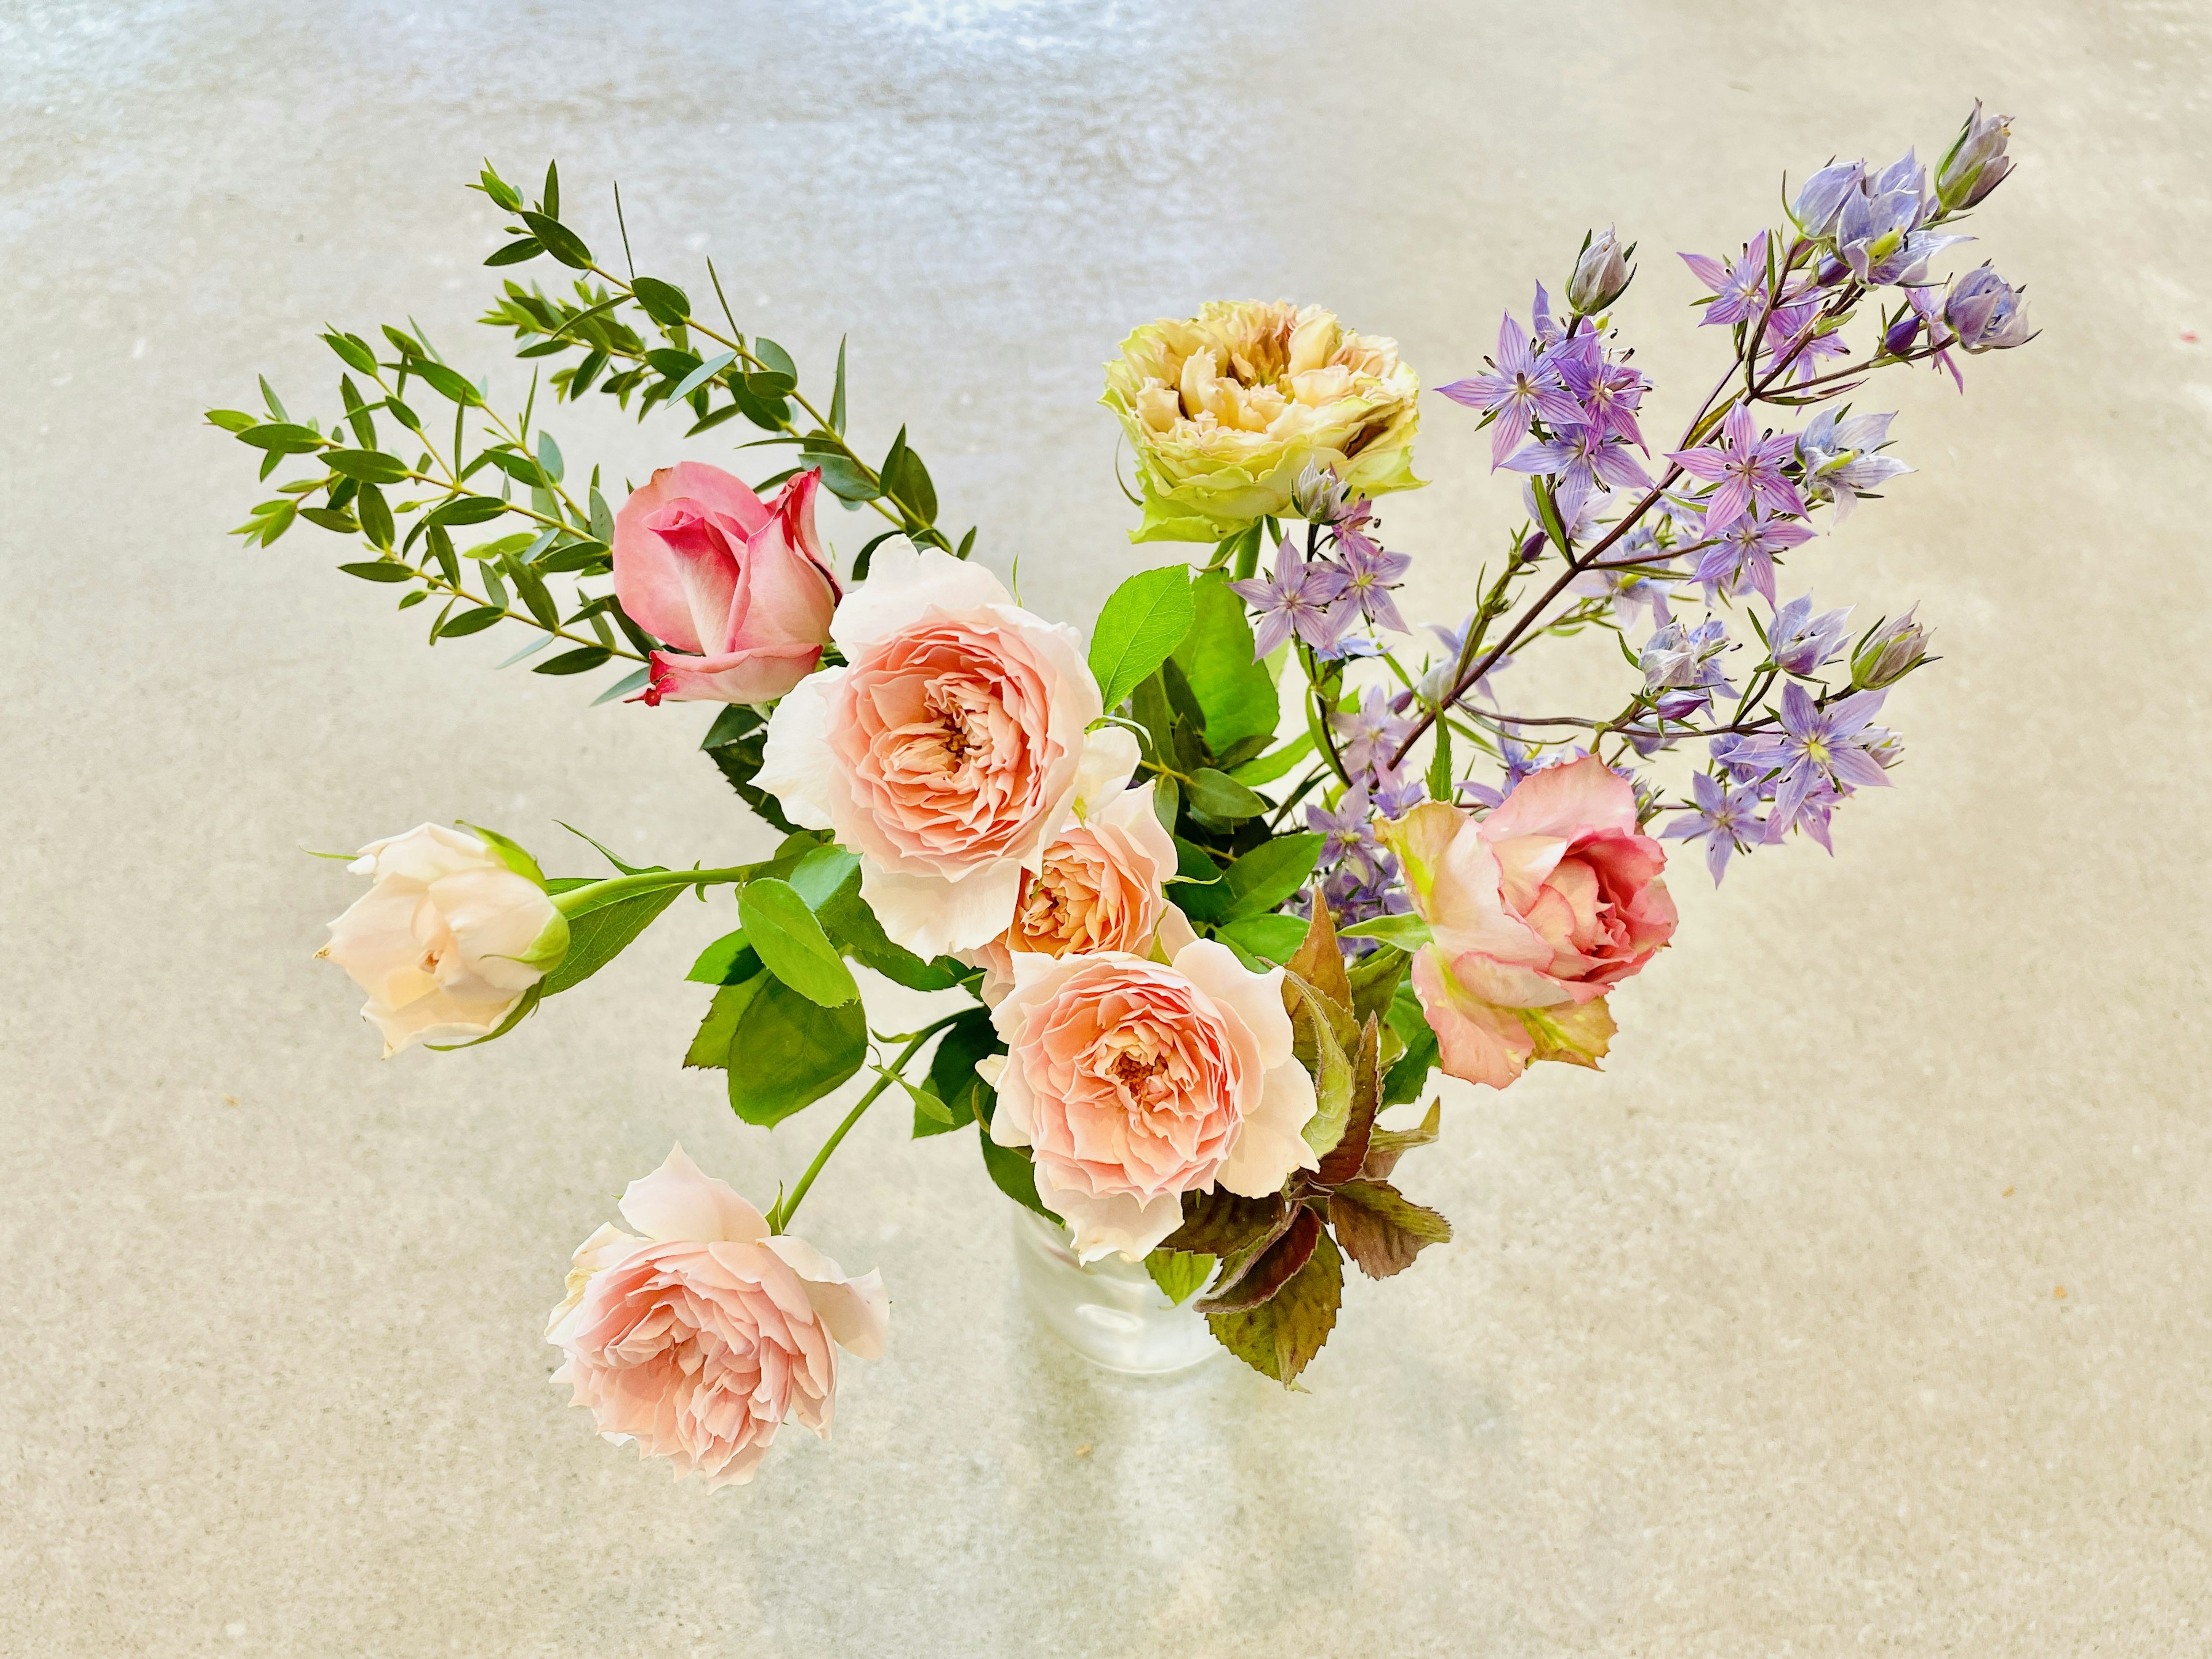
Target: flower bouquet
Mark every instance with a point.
(1207, 888)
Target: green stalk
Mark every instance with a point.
(779, 1217)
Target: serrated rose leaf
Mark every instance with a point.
(1344, 1160)
(1320, 962)
(1386, 1146)
(1221, 1223)
(1280, 1337)
(1381, 1229)
(1248, 1284)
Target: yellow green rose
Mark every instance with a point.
(1226, 409)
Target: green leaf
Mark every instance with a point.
(467, 509)
(1408, 933)
(1272, 938)
(1314, 1040)
(787, 1050)
(282, 437)
(1220, 796)
(469, 622)
(735, 742)
(563, 243)
(353, 352)
(1256, 884)
(664, 302)
(549, 458)
(699, 376)
(1274, 764)
(841, 476)
(906, 480)
(710, 1043)
(581, 660)
(837, 393)
(729, 960)
(375, 516)
(597, 937)
(344, 523)
(509, 852)
(379, 570)
(1386, 1146)
(233, 420)
(1406, 1079)
(774, 358)
(449, 384)
(1279, 1338)
(952, 1079)
(1381, 1229)
(1144, 619)
(1180, 1274)
(1440, 762)
(1013, 1174)
(516, 252)
(791, 943)
(551, 201)
(1237, 694)
(369, 465)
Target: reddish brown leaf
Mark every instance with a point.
(1386, 1146)
(1280, 1336)
(1344, 1159)
(1221, 1223)
(1381, 1229)
(1320, 963)
(1248, 1283)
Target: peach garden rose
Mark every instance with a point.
(1133, 1082)
(948, 752)
(700, 1339)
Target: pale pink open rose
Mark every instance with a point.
(948, 753)
(1133, 1082)
(740, 587)
(1536, 912)
(1100, 887)
(700, 1339)
(449, 937)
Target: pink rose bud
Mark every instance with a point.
(740, 587)
(699, 1339)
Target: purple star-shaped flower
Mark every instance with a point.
(1743, 467)
(1738, 289)
(1369, 573)
(1609, 393)
(1349, 830)
(1520, 764)
(1300, 598)
(1800, 642)
(1744, 552)
(1818, 746)
(1582, 457)
(1368, 736)
(1725, 816)
(1784, 326)
(1523, 389)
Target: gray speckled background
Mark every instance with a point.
(1753, 1345)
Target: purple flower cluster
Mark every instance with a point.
(1315, 594)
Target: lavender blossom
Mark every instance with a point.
(1890, 651)
(1369, 573)
(1347, 831)
(1582, 457)
(1368, 736)
(1680, 659)
(1820, 198)
(1976, 163)
(1817, 745)
(1744, 468)
(1737, 288)
(1790, 333)
(1723, 816)
(1983, 310)
(1522, 390)
(1798, 642)
(1838, 455)
(1628, 589)
(1299, 597)
(1609, 393)
(1879, 234)
(1519, 762)
(1744, 552)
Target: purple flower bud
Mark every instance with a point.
(1799, 641)
(1983, 310)
(1601, 274)
(1976, 163)
(1820, 198)
(1898, 338)
(1889, 652)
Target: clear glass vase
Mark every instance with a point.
(1109, 1311)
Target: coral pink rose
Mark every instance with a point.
(740, 585)
(948, 753)
(1100, 887)
(698, 1341)
(1135, 1082)
(1536, 912)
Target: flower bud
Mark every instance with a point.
(1983, 310)
(1601, 274)
(1889, 652)
(1820, 198)
(1977, 163)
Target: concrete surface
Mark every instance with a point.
(1862, 1306)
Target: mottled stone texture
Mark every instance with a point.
(1859, 1306)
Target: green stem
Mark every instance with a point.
(615, 888)
(779, 1217)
